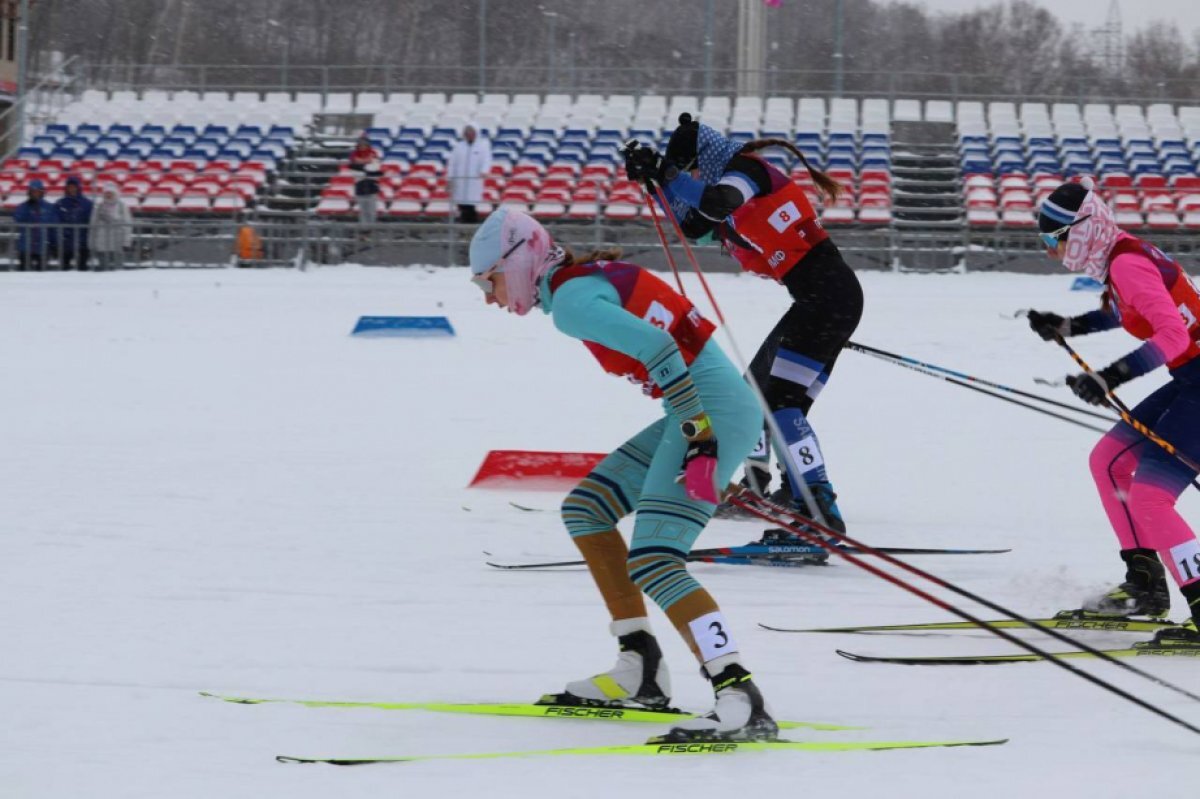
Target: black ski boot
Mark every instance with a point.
(1144, 592)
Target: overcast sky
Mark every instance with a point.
(1135, 14)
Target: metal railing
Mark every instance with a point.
(50, 94)
(304, 240)
(585, 78)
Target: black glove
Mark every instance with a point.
(642, 163)
(1093, 388)
(1047, 324)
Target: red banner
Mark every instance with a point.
(534, 471)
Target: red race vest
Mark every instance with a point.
(771, 234)
(1176, 281)
(646, 297)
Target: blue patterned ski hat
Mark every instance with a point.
(695, 145)
(714, 152)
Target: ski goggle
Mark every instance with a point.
(1052, 238)
(484, 281)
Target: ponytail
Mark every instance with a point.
(830, 187)
(608, 254)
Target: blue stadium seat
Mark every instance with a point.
(136, 151)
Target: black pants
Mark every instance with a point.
(31, 261)
(78, 256)
(794, 362)
(468, 215)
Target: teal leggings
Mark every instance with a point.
(639, 477)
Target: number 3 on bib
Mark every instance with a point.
(711, 634)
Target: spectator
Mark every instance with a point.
(74, 213)
(363, 153)
(470, 160)
(37, 236)
(111, 230)
(366, 194)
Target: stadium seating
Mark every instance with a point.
(186, 168)
(1144, 160)
(556, 156)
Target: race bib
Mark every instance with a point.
(712, 635)
(658, 315)
(784, 217)
(806, 454)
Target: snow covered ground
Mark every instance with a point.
(206, 484)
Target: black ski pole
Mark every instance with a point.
(928, 369)
(778, 514)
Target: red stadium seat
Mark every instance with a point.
(158, 200)
(194, 201)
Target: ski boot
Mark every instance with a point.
(1144, 592)
(1184, 639)
(756, 480)
(826, 501)
(796, 547)
(740, 714)
(639, 679)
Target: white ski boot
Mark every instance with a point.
(740, 713)
(639, 678)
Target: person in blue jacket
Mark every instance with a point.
(668, 474)
(74, 214)
(37, 232)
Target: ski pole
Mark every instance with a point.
(926, 368)
(986, 393)
(662, 237)
(780, 443)
(1126, 416)
(776, 514)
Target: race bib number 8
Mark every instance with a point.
(806, 454)
(784, 217)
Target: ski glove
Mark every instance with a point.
(699, 472)
(1046, 324)
(1093, 388)
(642, 163)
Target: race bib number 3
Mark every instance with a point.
(712, 635)
(784, 217)
(658, 315)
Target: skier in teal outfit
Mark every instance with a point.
(669, 474)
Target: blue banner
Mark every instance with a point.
(1085, 283)
(403, 326)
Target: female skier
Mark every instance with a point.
(668, 474)
(1149, 295)
(766, 222)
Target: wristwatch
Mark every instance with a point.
(694, 428)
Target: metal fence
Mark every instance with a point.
(306, 240)
(605, 79)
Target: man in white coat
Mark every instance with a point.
(469, 162)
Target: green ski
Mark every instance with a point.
(656, 749)
(1064, 620)
(984, 660)
(527, 709)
